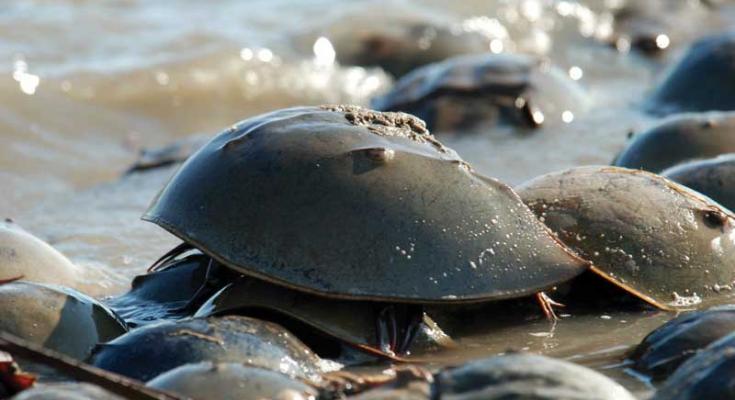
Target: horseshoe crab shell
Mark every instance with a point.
(710, 374)
(351, 322)
(680, 139)
(57, 318)
(66, 391)
(714, 178)
(226, 381)
(703, 80)
(22, 254)
(347, 202)
(475, 91)
(660, 241)
(526, 376)
(664, 349)
(147, 352)
(400, 44)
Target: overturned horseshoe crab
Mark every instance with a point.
(714, 177)
(57, 318)
(149, 351)
(658, 240)
(680, 139)
(301, 197)
(480, 91)
(703, 80)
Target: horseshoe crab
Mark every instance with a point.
(302, 198)
(24, 255)
(526, 376)
(55, 317)
(714, 178)
(173, 153)
(680, 139)
(664, 349)
(641, 26)
(480, 91)
(231, 381)
(351, 322)
(165, 292)
(660, 241)
(400, 44)
(703, 80)
(149, 351)
(707, 375)
(66, 391)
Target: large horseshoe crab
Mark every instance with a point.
(353, 204)
(480, 91)
(664, 243)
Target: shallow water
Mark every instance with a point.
(86, 84)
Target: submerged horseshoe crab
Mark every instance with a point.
(481, 91)
(658, 240)
(680, 139)
(301, 197)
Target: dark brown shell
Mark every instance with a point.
(665, 243)
(347, 202)
(680, 139)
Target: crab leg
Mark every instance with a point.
(547, 305)
(395, 333)
(205, 289)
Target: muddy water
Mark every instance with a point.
(86, 84)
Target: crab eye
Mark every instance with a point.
(714, 219)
